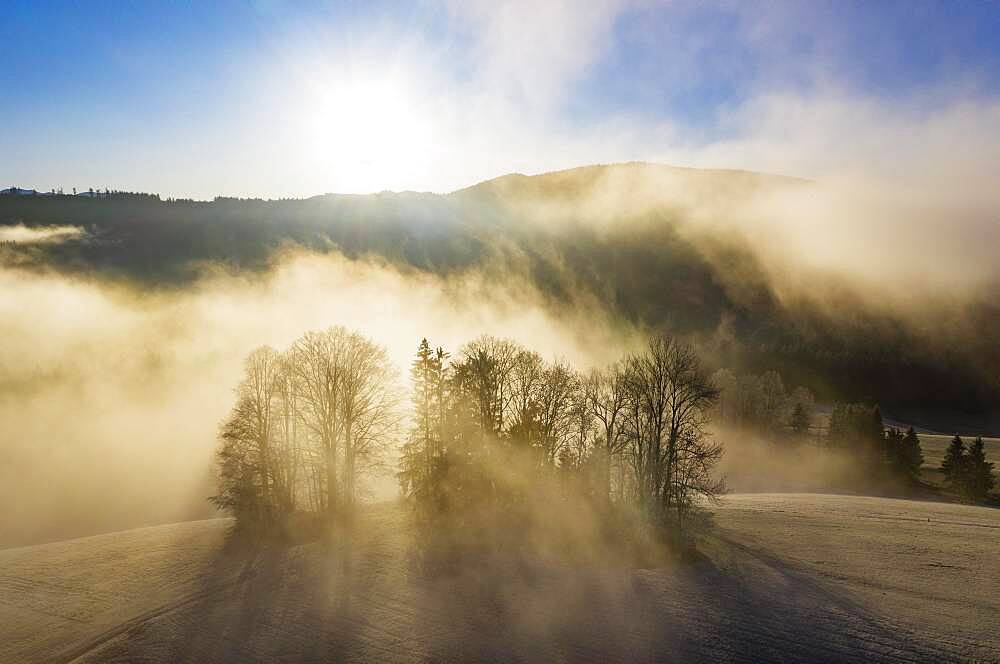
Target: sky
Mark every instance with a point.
(274, 98)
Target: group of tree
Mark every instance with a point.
(761, 403)
(503, 439)
(881, 454)
(967, 471)
(305, 423)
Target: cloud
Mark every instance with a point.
(903, 196)
(530, 53)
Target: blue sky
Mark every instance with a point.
(276, 98)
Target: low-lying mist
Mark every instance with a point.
(22, 234)
(112, 395)
(754, 463)
(124, 322)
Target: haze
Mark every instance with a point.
(625, 330)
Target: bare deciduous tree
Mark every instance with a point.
(304, 423)
(670, 398)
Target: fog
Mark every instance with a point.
(112, 395)
(24, 235)
(113, 392)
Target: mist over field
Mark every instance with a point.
(135, 335)
(136, 344)
(119, 400)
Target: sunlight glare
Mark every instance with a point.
(370, 131)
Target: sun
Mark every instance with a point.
(369, 131)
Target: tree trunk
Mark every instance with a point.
(331, 483)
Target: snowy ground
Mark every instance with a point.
(787, 577)
(934, 446)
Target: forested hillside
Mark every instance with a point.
(606, 236)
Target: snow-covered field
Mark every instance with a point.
(786, 577)
(934, 446)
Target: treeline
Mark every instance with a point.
(506, 442)
(967, 471)
(306, 422)
(882, 454)
(762, 403)
(108, 194)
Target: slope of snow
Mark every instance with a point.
(934, 447)
(795, 577)
(55, 595)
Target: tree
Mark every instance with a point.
(527, 377)
(802, 396)
(726, 382)
(423, 453)
(318, 364)
(368, 407)
(670, 399)
(555, 399)
(903, 454)
(748, 400)
(908, 456)
(605, 397)
(487, 365)
(800, 420)
(577, 450)
(304, 425)
(978, 478)
(953, 466)
(249, 481)
(773, 401)
(873, 436)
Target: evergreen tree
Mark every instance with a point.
(800, 419)
(953, 465)
(423, 446)
(837, 429)
(978, 480)
(893, 448)
(903, 454)
(910, 456)
(875, 432)
(422, 372)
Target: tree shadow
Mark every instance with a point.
(358, 598)
(760, 609)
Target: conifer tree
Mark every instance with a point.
(423, 445)
(903, 454)
(910, 456)
(875, 433)
(978, 478)
(953, 465)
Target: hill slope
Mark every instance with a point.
(785, 578)
(623, 237)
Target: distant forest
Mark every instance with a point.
(712, 292)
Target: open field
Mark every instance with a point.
(797, 577)
(934, 446)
